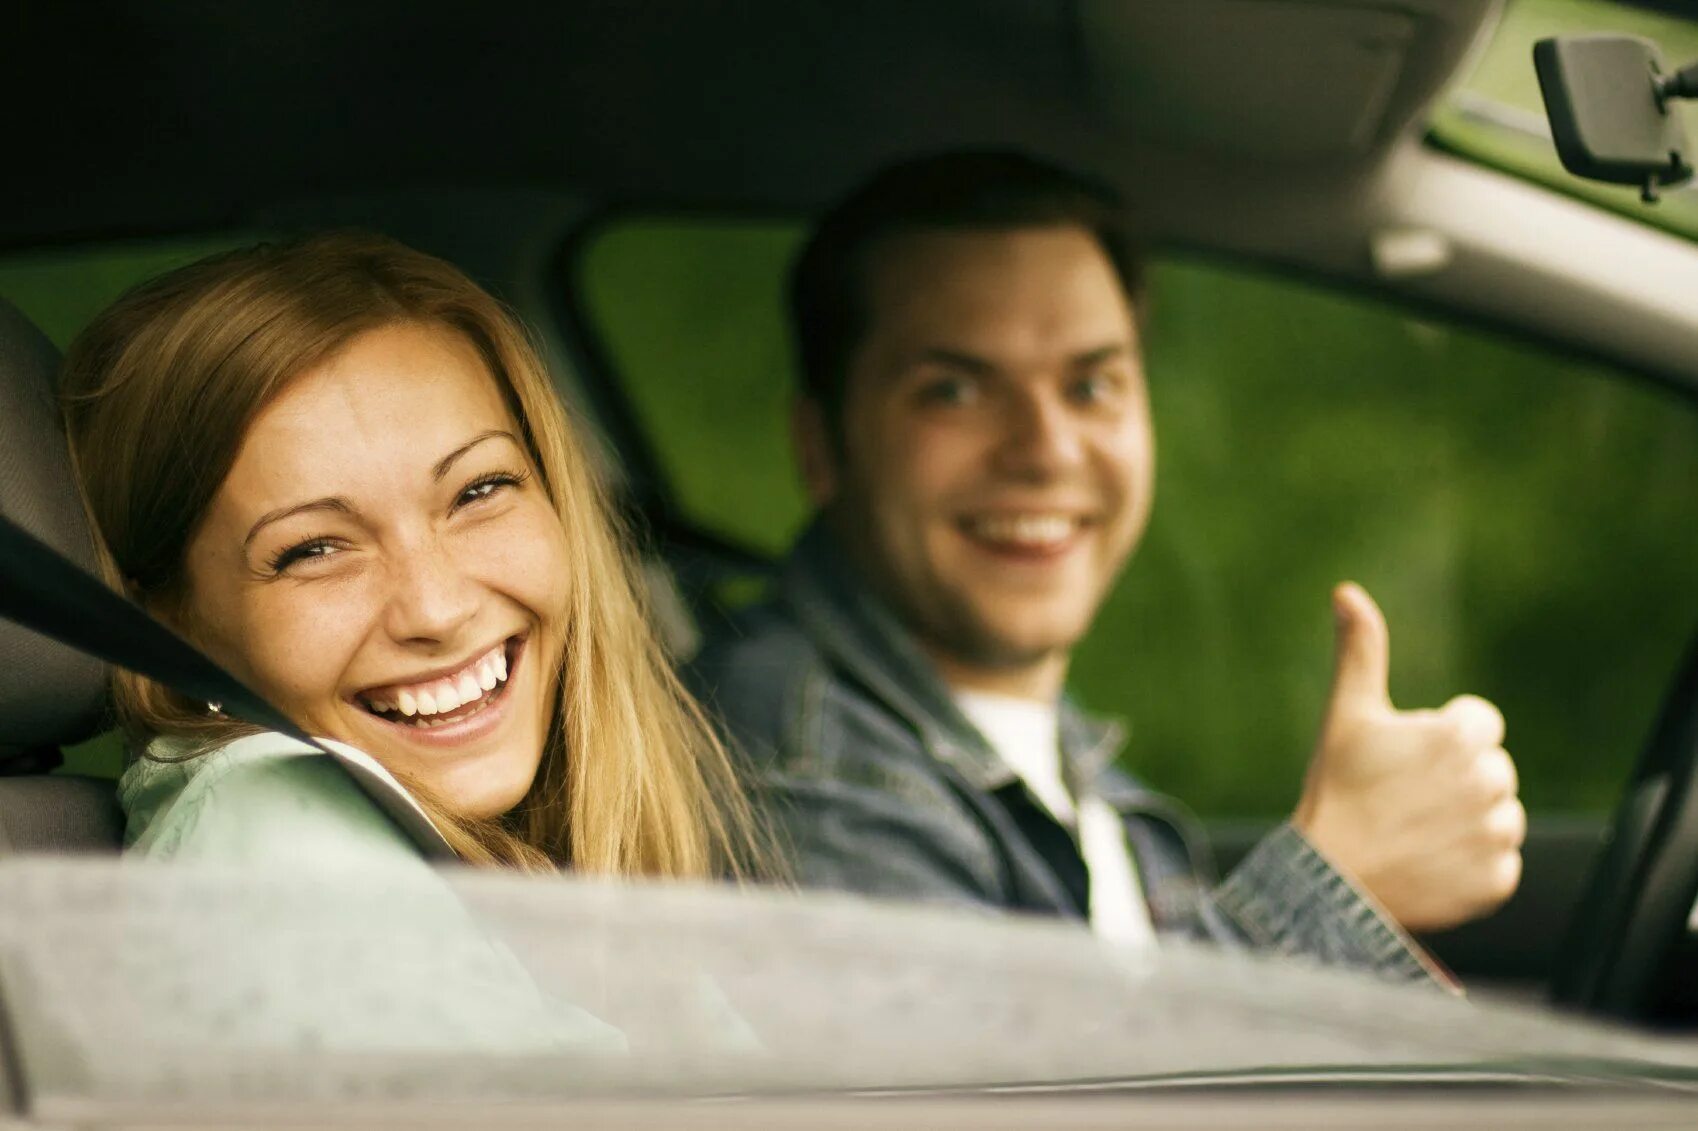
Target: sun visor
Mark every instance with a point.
(1218, 74)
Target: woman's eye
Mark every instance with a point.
(487, 486)
(316, 548)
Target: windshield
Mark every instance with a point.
(130, 983)
(1496, 116)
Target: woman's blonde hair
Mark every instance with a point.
(159, 392)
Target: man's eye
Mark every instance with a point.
(486, 486)
(309, 550)
(949, 391)
(1094, 388)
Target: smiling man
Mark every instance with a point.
(975, 433)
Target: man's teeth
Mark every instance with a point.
(449, 693)
(1025, 529)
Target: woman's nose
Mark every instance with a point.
(432, 598)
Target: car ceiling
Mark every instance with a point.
(186, 115)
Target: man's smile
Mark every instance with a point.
(1026, 535)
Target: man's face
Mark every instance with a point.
(997, 460)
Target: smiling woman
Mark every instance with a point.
(339, 468)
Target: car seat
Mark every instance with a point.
(50, 696)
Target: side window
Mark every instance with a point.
(1526, 520)
(691, 315)
(60, 290)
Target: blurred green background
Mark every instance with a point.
(1528, 522)
(61, 289)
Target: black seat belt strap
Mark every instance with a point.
(47, 593)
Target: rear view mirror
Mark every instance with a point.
(1610, 105)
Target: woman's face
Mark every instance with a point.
(384, 565)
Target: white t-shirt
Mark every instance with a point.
(1026, 734)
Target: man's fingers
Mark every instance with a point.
(1473, 722)
(1420, 805)
(1506, 824)
(1494, 774)
(1363, 650)
(1504, 878)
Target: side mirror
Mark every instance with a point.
(1611, 109)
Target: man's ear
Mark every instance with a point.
(816, 453)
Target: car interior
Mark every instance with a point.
(550, 150)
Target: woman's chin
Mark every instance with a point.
(487, 806)
(481, 784)
(480, 777)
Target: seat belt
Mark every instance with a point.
(46, 592)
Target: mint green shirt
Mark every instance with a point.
(408, 968)
(261, 799)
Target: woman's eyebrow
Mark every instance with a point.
(342, 506)
(446, 462)
(339, 505)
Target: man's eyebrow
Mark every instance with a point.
(1095, 357)
(337, 504)
(954, 359)
(446, 462)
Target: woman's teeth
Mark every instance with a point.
(440, 696)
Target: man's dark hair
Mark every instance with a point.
(991, 190)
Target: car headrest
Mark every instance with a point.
(50, 695)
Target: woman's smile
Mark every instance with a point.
(461, 705)
(441, 697)
(402, 581)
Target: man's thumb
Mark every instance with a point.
(1363, 649)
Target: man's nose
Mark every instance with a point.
(1041, 437)
(431, 598)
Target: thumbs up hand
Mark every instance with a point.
(1419, 806)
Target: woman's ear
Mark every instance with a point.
(816, 453)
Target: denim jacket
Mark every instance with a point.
(879, 785)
